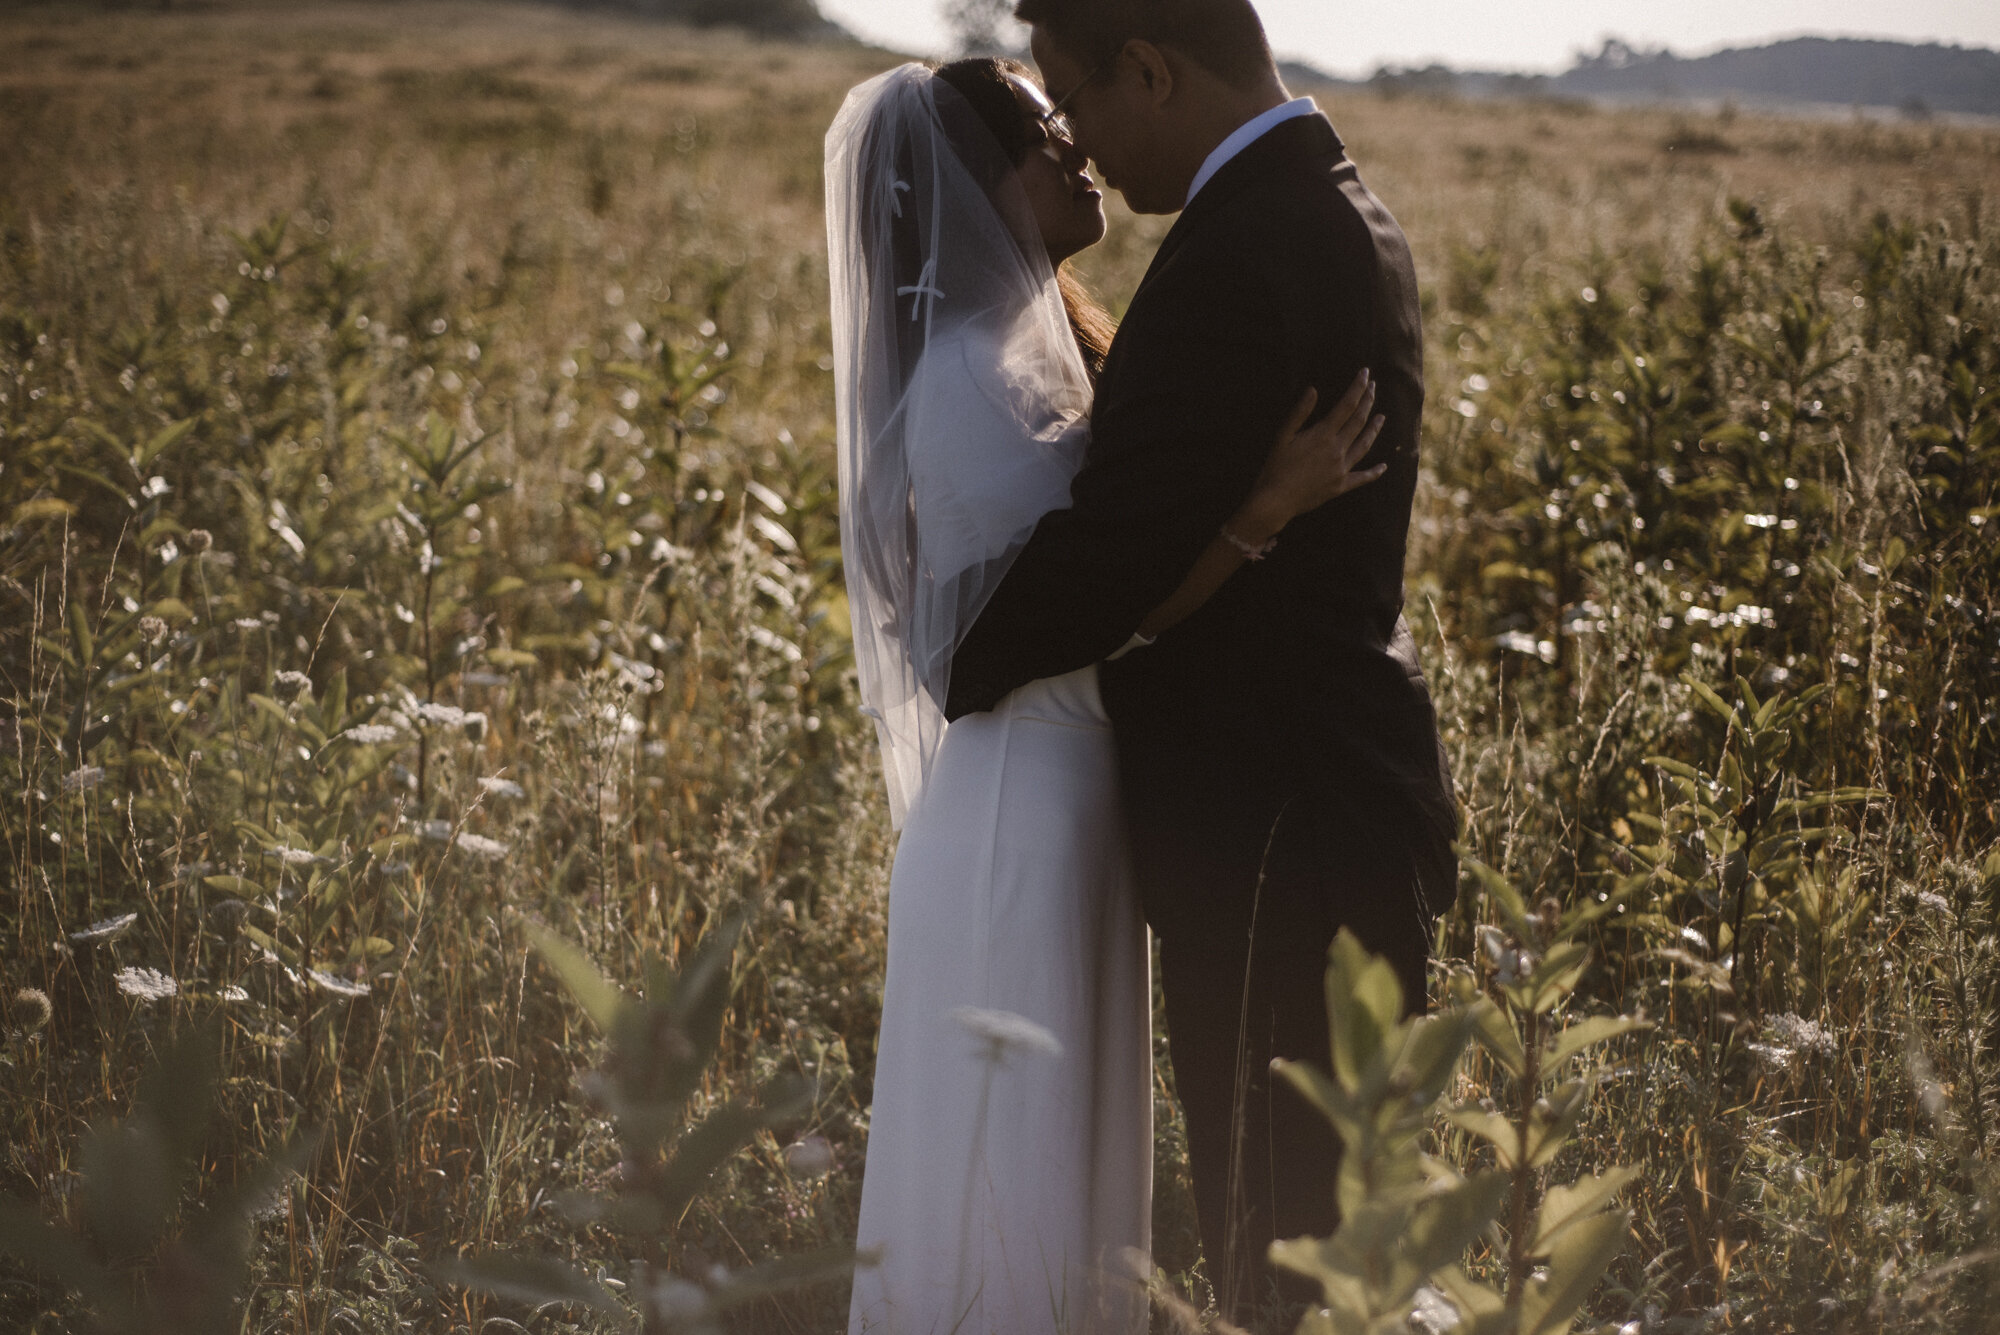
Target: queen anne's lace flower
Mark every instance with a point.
(480, 846)
(499, 787)
(1809, 1036)
(148, 985)
(83, 778)
(340, 987)
(106, 930)
(373, 734)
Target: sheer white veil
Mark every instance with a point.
(959, 391)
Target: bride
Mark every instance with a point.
(1009, 1173)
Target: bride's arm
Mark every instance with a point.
(1306, 469)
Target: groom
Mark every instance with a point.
(1279, 759)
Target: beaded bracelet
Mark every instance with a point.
(1252, 551)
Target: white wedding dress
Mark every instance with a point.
(1008, 1186)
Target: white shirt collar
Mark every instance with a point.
(1245, 135)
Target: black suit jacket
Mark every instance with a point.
(1295, 692)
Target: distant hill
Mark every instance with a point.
(1835, 71)
(1844, 71)
(787, 18)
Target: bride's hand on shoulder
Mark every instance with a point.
(1309, 466)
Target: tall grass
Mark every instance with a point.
(416, 515)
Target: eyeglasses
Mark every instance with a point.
(1055, 122)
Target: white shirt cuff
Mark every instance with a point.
(1137, 641)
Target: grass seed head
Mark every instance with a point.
(29, 1010)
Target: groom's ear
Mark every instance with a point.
(1151, 68)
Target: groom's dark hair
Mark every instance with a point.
(1224, 37)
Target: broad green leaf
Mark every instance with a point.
(1572, 1202)
(1576, 1263)
(1502, 892)
(784, 1274)
(59, 1254)
(1502, 1134)
(1495, 1031)
(600, 998)
(529, 1279)
(1586, 1033)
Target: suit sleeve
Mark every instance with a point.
(1176, 445)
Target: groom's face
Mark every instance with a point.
(1117, 123)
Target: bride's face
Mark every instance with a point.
(1068, 209)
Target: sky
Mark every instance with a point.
(1528, 35)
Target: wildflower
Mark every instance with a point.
(148, 985)
(292, 857)
(30, 1009)
(1771, 1056)
(295, 683)
(499, 787)
(152, 629)
(1809, 1036)
(1003, 1032)
(372, 734)
(1519, 642)
(340, 987)
(435, 831)
(437, 715)
(809, 1157)
(481, 847)
(233, 993)
(1932, 900)
(106, 930)
(83, 778)
(1510, 962)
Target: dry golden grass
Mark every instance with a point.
(504, 218)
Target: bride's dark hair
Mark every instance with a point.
(983, 82)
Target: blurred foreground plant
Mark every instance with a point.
(660, 1047)
(1407, 1217)
(119, 1259)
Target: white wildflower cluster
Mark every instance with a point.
(1932, 901)
(294, 683)
(1510, 962)
(431, 714)
(340, 987)
(1520, 642)
(293, 857)
(1003, 1032)
(1746, 615)
(495, 786)
(373, 734)
(148, 985)
(83, 778)
(106, 930)
(479, 846)
(1807, 1036)
(1787, 1037)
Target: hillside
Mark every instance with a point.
(1802, 71)
(1841, 71)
